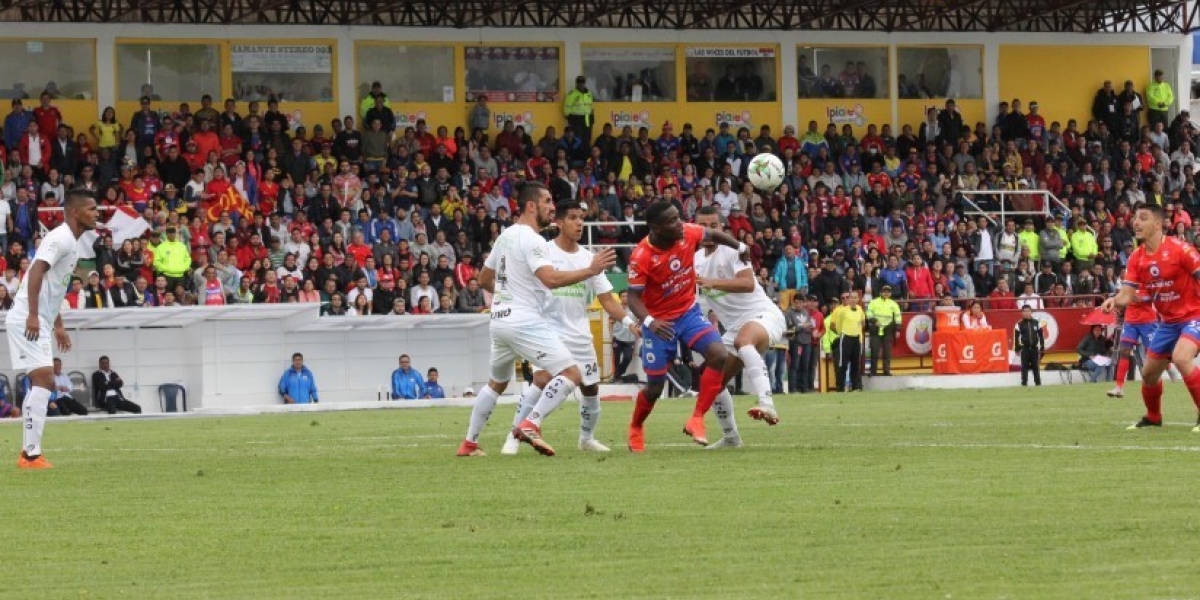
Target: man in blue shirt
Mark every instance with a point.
(791, 276)
(298, 386)
(433, 389)
(893, 275)
(406, 381)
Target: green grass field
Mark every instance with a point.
(1018, 493)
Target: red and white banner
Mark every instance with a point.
(124, 224)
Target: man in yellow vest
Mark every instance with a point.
(883, 316)
(1159, 97)
(578, 109)
(849, 322)
(172, 259)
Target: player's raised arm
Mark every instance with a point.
(742, 283)
(553, 278)
(1124, 297)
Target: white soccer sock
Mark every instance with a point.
(529, 399)
(34, 409)
(556, 392)
(755, 369)
(589, 417)
(485, 403)
(723, 408)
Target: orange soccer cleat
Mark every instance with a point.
(637, 439)
(33, 464)
(695, 429)
(470, 449)
(531, 434)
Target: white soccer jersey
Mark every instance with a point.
(518, 253)
(60, 250)
(569, 304)
(732, 309)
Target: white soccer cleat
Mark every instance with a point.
(592, 446)
(511, 446)
(764, 412)
(1116, 393)
(725, 442)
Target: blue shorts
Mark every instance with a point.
(1133, 334)
(1166, 335)
(692, 329)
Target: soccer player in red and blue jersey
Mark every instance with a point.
(662, 295)
(1136, 328)
(1168, 270)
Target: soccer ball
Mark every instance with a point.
(766, 171)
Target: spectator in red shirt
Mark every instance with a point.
(35, 149)
(359, 249)
(206, 140)
(464, 271)
(738, 223)
(920, 283)
(48, 117)
(1002, 298)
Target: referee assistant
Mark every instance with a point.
(848, 323)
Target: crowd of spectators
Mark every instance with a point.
(380, 219)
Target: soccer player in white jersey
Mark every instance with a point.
(753, 323)
(568, 317)
(34, 321)
(520, 275)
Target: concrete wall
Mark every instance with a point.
(235, 363)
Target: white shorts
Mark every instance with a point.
(772, 321)
(27, 355)
(535, 342)
(584, 354)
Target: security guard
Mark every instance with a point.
(1160, 97)
(883, 319)
(1030, 344)
(578, 109)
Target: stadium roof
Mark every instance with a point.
(1060, 16)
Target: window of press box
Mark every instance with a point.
(66, 69)
(842, 72)
(289, 73)
(406, 73)
(731, 74)
(513, 73)
(172, 72)
(951, 72)
(630, 74)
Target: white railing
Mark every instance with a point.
(1048, 206)
(592, 227)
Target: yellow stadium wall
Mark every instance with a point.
(856, 113)
(1064, 79)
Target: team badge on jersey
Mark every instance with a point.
(675, 264)
(1154, 271)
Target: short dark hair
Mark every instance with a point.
(530, 191)
(432, 370)
(707, 209)
(566, 206)
(76, 195)
(297, 355)
(657, 211)
(1154, 209)
(404, 356)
